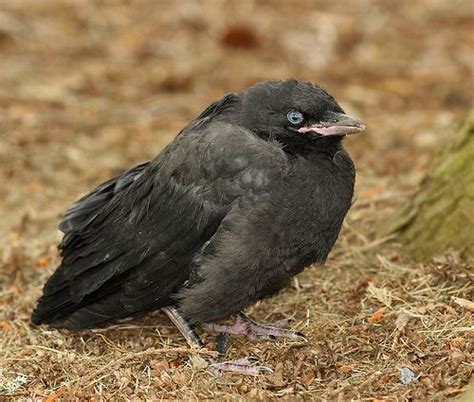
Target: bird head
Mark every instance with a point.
(295, 112)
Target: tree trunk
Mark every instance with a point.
(441, 215)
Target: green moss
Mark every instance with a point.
(441, 216)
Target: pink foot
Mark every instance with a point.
(255, 331)
(246, 365)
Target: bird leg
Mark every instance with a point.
(186, 330)
(253, 330)
(246, 365)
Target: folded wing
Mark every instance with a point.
(130, 244)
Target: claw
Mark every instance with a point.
(301, 336)
(222, 342)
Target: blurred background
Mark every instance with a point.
(90, 88)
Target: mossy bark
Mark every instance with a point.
(441, 215)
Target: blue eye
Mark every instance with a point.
(295, 117)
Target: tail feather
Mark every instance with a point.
(94, 315)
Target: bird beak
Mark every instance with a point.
(338, 124)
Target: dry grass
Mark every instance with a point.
(86, 91)
(366, 315)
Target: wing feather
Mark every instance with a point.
(129, 244)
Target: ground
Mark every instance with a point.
(90, 88)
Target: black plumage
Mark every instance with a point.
(244, 198)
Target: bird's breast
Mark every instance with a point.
(311, 207)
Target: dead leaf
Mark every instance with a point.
(161, 365)
(402, 321)
(383, 295)
(376, 317)
(371, 192)
(5, 325)
(43, 262)
(55, 396)
(347, 368)
(34, 186)
(277, 378)
(198, 363)
(463, 303)
(15, 288)
(457, 343)
(308, 380)
(240, 36)
(180, 378)
(456, 357)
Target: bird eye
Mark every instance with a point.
(294, 117)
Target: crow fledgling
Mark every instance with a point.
(248, 194)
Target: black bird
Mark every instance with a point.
(248, 194)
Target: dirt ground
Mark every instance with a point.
(90, 88)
